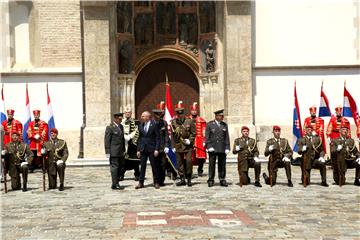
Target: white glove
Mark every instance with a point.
(43, 151)
(107, 155)
(256, 159)
(166, 150)
(187, 141)
(286, 159)
(23, 164)
(211, 149)
(304, 148)
(37, 136)
(227, 151)
(237, 148)
(329, 140)
(271, 147)
(321, 159)
(358, 161)
(59, 162)
(127, 138)
(3, 152)
(204, 144)
(339, 147)
(174, 150)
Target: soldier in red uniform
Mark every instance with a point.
(199, 152)
(37, 134)
(333, 129)
(11, 125)
(317, 124)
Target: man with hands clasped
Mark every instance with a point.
(217, 144)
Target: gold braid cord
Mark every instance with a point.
(57, 150)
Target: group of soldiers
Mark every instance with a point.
(17, 157)
(192, 139)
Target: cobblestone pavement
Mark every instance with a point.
(89, 209)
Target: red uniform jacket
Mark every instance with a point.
(40, 128)
(333, 129)
(317, 124)
(9, 127)
(199, 148)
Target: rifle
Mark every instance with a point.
(4, 173)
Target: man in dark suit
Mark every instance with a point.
(217, 145)
(115, 148)
(148, 147)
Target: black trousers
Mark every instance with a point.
(144, 156)
(201, 162)
(221, 157)
(116, 164)
(160, 164)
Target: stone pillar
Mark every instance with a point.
(126, 91)
(97, 76)
(238, 65)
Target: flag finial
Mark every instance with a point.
(166, 78)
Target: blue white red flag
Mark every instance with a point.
(27, 117)
(349, 107)
(51, 120)
(169, 115)
(297, 131)
(2, 105)
(324, 109)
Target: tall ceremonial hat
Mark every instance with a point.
(179, 107)
(15, 132)
(219, 112)
(160, 107)
(344, 126)
(36, 112)
(312, 109)
(338, 109)
(276, 128)
(10, 111)
(194, 107)
(127, 109)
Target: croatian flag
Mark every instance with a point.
(297, 131)
(27, 117)
(169, 114)
(2, 105)
(324, 110)
(51, 120)
(350, 108)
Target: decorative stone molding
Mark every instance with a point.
(209, 77)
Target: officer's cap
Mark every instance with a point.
(118, 114)
(219, 112)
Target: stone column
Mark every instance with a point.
(237, 65)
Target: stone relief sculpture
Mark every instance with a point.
(125, 53)
(210, 58)
(124, 16)
(187, 29)
(207, 17)
(144, 32)
(166, 17)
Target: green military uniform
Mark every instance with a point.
(311, 149)
(281, 149)
(183, 128)
(17, 153)
(248, 151)
(55, 150)
(346, 157)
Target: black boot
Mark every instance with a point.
(24, 189)
(290, 184)
(189, 184)
(266, 178)
(357, 182)
(223, 183)
(257, 184)
(61, 187)
(324, 184)
(182, 182)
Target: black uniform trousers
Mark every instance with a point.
(221, 157)
(144, 156)
(116, 165)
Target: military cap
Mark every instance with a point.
(54, 130)
(10, 111)
(276, 128)
(179, 107)
(118, 114)
(219, 112)
(244, 128)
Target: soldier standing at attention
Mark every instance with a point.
(310, 147)
(114, 143)
(183, 136)
(317, 124)
(218, 146)
(11, 125)
(346, 155)
(17, 156)
(57, 153)
(280, 154)
(248, 157)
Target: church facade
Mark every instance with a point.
(99, 57)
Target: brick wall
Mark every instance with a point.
(58, 30)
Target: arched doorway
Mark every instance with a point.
(150, 85)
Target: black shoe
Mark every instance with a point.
(266, 178)
(61, 188)
(257, 184)
(290, 184)
(200, 174)
(181, 183)
(156, 185)
(357, 182)
(210, 184)
(121, 178)
(31, 171)
(24, 189)
(324, 184)
(136, 178)
(162, 184)
(140, 185)
(223, 183)
(189, 184)
(249, 180)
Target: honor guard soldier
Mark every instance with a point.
(218, 146)
(317, 124)
(56, 152)
(199, 152)
(131, 135)
(114, 143)
(310, 147)
(248, 157)
(37, 134)
(335, 123)
(183, 136)
(17, 157)
(346, 155)
(280, 154)
(11, 125)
